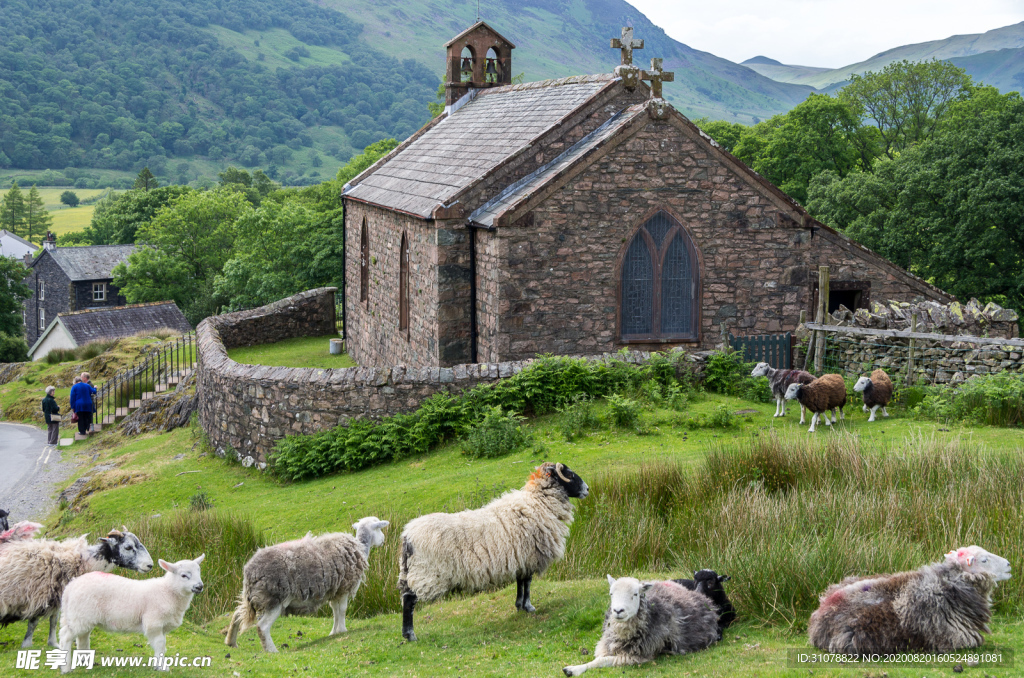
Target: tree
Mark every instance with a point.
(13, 349)
(436, 107)
(37, 219)
(145, 181)
(69, 198)
(117, 219)
(12, 210)
(361, 162)
(725, 134)
(13, 293)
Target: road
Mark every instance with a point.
(29, 470)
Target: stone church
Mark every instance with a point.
(577, 216)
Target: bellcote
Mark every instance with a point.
(478, 57)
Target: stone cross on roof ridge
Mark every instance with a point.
(657, 76)
(627, 44)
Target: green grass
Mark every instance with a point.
(72, 219)
(300, 352)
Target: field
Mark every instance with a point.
(67, 219)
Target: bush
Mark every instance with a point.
(995, 399)
(12, 349)
(624, 412)
(578, 417)
(500, 433)
(722, 417)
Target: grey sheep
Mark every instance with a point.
(941, 607)
(647, 619)
(876, 391)
(711, 584)
(827, 392)
(779, 381)
(514, 537)
(299, 577)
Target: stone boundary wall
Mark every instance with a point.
(249, 407)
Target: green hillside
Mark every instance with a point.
(1002, 68)
(780, 72)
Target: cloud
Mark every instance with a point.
(830, 33)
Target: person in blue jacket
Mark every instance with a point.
(81, 403)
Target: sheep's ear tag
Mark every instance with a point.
(969, 561)
(611, 580)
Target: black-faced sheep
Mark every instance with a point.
(710, 583)
(152, 607)
(647, 619)
(516, 536)
(301, 576)
(36, 572)
(827, 392)
(779, 381)
(939, 608)
(876, 391)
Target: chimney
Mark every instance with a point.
(27, 258)
(51, 242)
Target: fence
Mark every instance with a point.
(774, 349)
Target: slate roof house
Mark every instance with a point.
(12, 245)
(71, 279)
(77, 328)
(577, 216)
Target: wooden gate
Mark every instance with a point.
(774, 349)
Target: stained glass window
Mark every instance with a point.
(638, 289)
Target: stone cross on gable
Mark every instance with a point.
(657, 76)
(627, 44)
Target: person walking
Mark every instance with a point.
(51, 413)
(81, 403)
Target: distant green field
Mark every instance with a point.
(67, 219)
(51, 194)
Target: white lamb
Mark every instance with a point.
(153, 607)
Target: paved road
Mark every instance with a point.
(29, 469)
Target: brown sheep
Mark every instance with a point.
(825, 393)
(876, 391)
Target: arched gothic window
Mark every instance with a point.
(660, 293)
(364, 264)
(403, 285)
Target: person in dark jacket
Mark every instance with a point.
(81, 403)
(50, 410)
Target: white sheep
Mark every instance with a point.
(152, 607)
(779, 381)
(647, 619)
(36, 571)
(22, 531)
(516, 536)
(299, 577)
(827, 392)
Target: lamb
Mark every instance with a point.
(298, 577)
(876, 391)
(651, 618)
(825, 393)
(942, 607)
(515, 536)
(36, 572)
(710, 583)
(153, 607)
(779, 381)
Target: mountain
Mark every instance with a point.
(963, 50)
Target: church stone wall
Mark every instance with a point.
(556, 270)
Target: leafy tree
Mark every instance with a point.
(73, 238)
(436, 107)
(37, 219)
(145, 181)
(234, 175)
(725, 134)
(188, 243)
(12, 210)
(13, 293)
(117, 219)
(69, 198)
(13, 349)
(361, 162)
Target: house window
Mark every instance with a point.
(364, 265)
(42, 291)
(42, 319)
(403, 285)
(99, 291)
(660, 284)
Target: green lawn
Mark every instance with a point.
(300, 352)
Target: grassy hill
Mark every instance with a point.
(1002, 68)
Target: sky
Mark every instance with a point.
(826, 33)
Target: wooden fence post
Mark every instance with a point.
(822, 314)
(910, 351)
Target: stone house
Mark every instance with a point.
(578, 216)
(66, 279)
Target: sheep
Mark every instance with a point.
(153, 607)
(876, 391)
(36, 573)
(298, 577)
(779, 381)
(22, 531)
(515, 536)
(710, 583)
(825, 393)
(941, 607)
(651, 618)
(3, 520)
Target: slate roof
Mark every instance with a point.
(472, 141)
(90, 263)
(122, 321)
(473, 28)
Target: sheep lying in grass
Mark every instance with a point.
(648, 619)
(876, 391)
(36, 572)
(152, 607)
(825, 393)
(516, 536)
(710, 583)
(779, 381)
(939, 608)
(299, 577)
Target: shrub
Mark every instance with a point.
(624, 412)
(200, 502)
(722, 417)
(578, 417)
(726, 373)
(12, 349)
(499, 433)
(995, 399)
